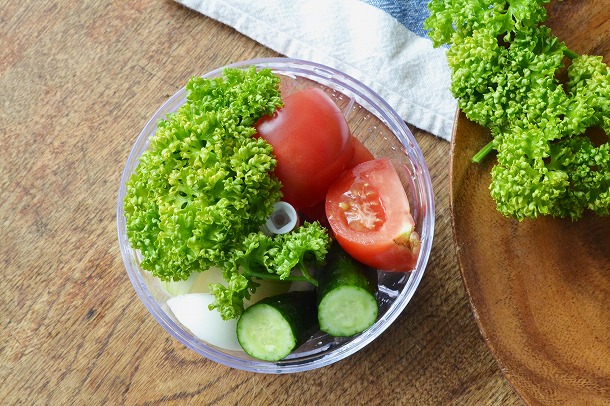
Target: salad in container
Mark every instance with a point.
(275, 215)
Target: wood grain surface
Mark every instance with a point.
(79, 80)
(539, 289)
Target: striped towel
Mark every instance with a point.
(382, 43)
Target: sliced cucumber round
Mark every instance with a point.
(273, 327)
(346, 295)
(346, 311)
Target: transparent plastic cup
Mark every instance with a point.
(385, 134)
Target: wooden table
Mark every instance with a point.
(79, 80)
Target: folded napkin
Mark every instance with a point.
(382, 43)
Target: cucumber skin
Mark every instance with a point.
(342, 270)
(299, 308)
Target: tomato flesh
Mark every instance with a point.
(312, 144)
(361, 206)
(368, 211)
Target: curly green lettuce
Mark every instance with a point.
(205, 184)
(506, 70)
(285, 257)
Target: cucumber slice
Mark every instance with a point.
(347, 311)
(346, 295)
(273, 327)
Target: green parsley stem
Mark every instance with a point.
(483, 152)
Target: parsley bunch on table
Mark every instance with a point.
(506, 68)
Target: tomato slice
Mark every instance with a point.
(368, 211)
(361, 154)
(312, 144)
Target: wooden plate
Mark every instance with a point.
(540, 290)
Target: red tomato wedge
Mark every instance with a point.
(361, 154)
(312, 144)
(369, 214)
(317, 212)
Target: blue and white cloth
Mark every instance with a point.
(382, 43)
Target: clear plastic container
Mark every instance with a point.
(385, 134)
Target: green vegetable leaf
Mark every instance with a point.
(204, 183)
(284, 257)
(505, 69)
